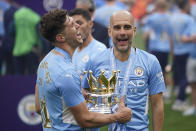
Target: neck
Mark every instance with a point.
(110, 2)
(122, 56)
(66, 48)
(161, 11)
(86, 42)
(183, 11)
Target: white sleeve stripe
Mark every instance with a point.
(147, 105)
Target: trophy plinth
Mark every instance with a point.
(102, 94)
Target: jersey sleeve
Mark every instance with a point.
(69, 88)
(156, 79)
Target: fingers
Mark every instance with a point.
(126, 115)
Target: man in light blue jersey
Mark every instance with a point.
(58, 94)
(90, 47)
(140, 75)
(158, 32)
(180, 22)
(190, 36)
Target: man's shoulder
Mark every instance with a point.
(98, 44)
(145, 55)
(56, 64)
(100, 56)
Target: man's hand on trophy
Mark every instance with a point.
(124, 112)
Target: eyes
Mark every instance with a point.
(125, 27)
(79, 22)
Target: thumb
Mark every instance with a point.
(122, 101)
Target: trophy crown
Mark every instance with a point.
(102, 85)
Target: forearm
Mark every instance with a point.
(97, 120)
(88, 119)
(37, 106)
(158, 116)
(187, 39)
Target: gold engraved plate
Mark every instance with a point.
(45, 115)
(102, 94)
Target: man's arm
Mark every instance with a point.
(88, 119)
(188, 39)
(157, 111)
(37, 106)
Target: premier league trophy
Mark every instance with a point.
(102, 96)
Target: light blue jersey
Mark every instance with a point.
(180, 22)
(192, 31)
(144, 78)
(80, 59)
(102, 14)
(158, 25)
(59, 89)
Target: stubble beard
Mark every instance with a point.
(124, 50)
(73, 43)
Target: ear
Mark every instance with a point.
(60, 38)
(109, 31)
(134, 31)
(91, 23)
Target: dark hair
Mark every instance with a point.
(52, 23)
(80, 11)
(161, 4)
(182, 3)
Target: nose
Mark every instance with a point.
(122, 31)
(76, 25)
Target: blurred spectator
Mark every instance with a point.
(3, 7)
(102, 14)
(99, 31)
(139, 9)
(190, 36)
(8, 39)
(99, 3)
(181, 21)
(158, 31)
(193, 10)
(26, 50)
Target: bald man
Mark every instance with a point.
(140, 75)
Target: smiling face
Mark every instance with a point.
(122, 30)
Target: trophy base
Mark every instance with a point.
(101, 103)
(104, 109)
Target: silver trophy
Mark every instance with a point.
(102, 96)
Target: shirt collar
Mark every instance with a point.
(63, 52)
